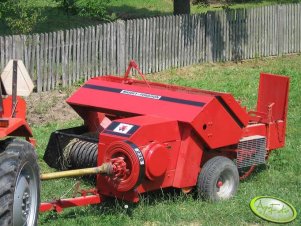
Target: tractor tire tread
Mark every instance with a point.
(11, 155)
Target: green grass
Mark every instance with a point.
(281, 178)
(55, 19)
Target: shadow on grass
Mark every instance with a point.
(55, 19)
(129, 12)
(254, 1)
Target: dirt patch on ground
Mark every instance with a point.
(46, 107)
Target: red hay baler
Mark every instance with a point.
(140, 136)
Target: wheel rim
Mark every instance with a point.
(25, 197)
(225, 184)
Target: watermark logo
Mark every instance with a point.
(273, 209)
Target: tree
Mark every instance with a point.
(181, 7)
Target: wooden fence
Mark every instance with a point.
(158, 43)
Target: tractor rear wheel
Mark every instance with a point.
(218, 179)
(19, 184)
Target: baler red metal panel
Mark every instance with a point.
(216, 126)
(255, 129)
(189, 160)
(235, 108)
(117, 97)
(276, 136)
(168, 178)
(273, 89)
(153, 128)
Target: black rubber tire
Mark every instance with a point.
(17, 157)
(218, 169)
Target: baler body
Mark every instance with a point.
(166, 133)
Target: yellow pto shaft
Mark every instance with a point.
(105, 168)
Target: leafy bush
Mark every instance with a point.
(96, 9)
(92, 8)
(18, 16)
(67, 5)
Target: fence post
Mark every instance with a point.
(120, 50)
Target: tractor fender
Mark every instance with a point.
(14, 127)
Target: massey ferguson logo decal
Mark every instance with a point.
(137, 94)
(123, 128)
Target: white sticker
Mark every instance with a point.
(123, 128)
(137, 94)
(140, 156)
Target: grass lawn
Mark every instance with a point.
(55, 19)
(281, 178)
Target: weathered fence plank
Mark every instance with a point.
(40, 59)
(49, 72)
(64, 40)
(2, 53)
(100, 57)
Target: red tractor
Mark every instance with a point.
(140, 136)
(19, 170)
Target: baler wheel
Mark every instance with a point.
(218, 179)
(20, 184)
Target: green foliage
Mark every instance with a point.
(96, 9)
(67, 5)
(92, 8)
(19, 16)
